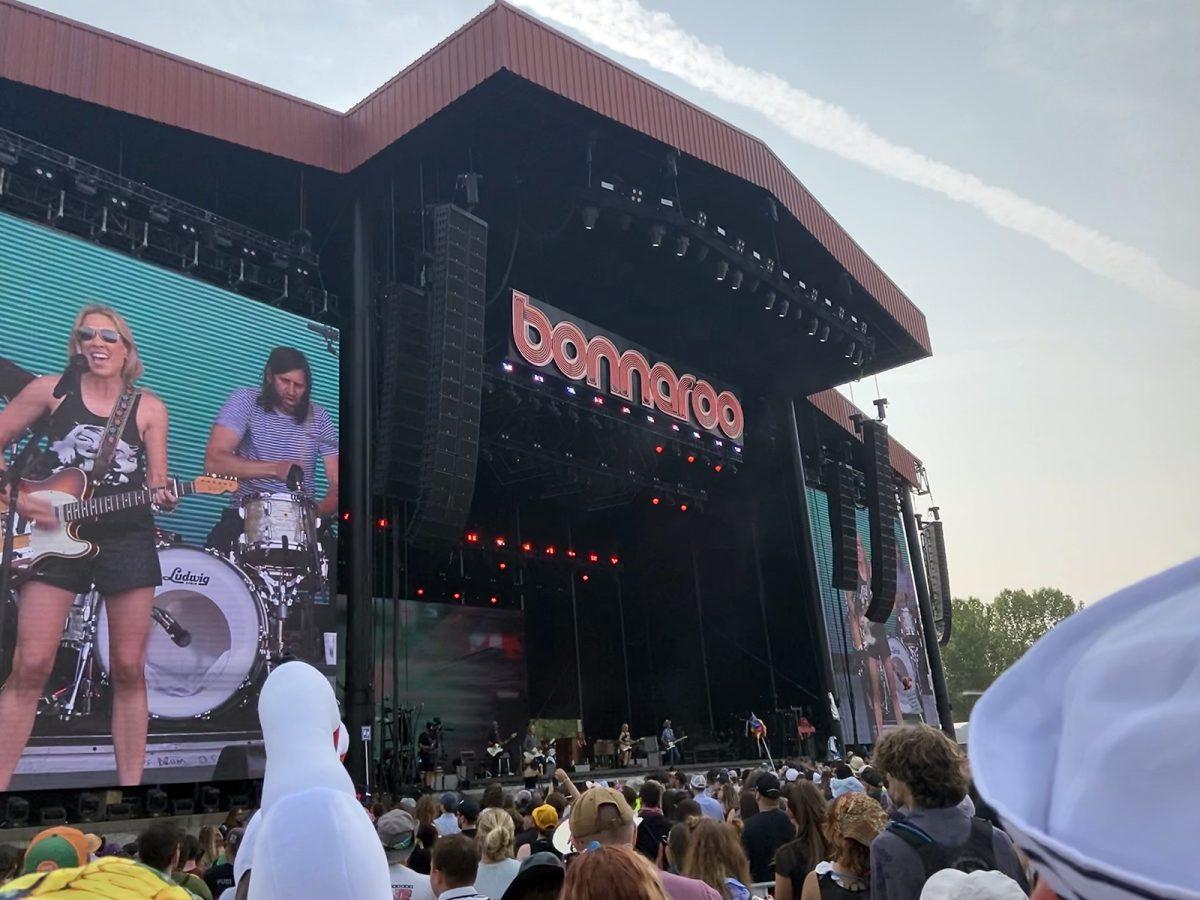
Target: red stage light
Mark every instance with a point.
(614, 560)
(656, 501)
(503, 566)
(683, 507)
(500, 542)
(550, 551)
(345, 517)
(527, 547)
(472, 537)
(420, 592)
(691, 458)
(658, 448)
(717, 467)
(586, 577)
(495, 600)
(457, 595)
(625, 410)
(593, 557)
(572, 554)
(599, 401)
(381, 523)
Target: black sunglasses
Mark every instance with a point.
(85, 334)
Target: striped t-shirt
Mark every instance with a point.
(275, 436)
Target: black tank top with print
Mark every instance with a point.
(73, 441)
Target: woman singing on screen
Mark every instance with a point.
(125, 570)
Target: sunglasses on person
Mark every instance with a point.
(85, 334)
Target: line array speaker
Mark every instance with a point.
(450, 453)
(933, 547)
(403, 391)
(843, 527)
(882, 512)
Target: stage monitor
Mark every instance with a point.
(881, 671)
(141, 606)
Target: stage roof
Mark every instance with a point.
(76, 60)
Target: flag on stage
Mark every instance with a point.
(757, 727)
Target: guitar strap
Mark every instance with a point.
(113, 430)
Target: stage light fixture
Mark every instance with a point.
(527, 547)
(472, 537)
(722, 270)
(586, 577)
(8, 154)
(16, 812)
(739, 245)
(735, 280)
(599, 401)
(691, 458)
(503, 566)
(550, 551)
(769, 300)
(44, 173)
(420, 592)
(86, 185)
(590, 215)
(157, 803)
(683, 507)
(381, 523)
(702, 219)
(507, 367)
(539, 379)
(681, 245)
(850, 350)
(858, 357)
(636, 195)
(614, 559)
(572, 554)
(625, 411)
(494, 600)
(783, 308)
(593, 557)
(658, 448)
(457, 595)
(210, 798)
(824, 335)
(813, 325)
(657, 233)
(717, 467)
(91, 807)
(345, 517)
(571, 390)
(654, 501)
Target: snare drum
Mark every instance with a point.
(276, 530)
(218, 649)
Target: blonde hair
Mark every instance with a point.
(714, 854)
(133, 369)
(494, 834)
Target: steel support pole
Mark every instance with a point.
(712, 722)
(624, 653)
(928, 633)
(762, 605)
(358, 429)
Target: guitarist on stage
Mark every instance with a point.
(671, 753)
(125, 569)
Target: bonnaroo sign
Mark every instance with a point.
(565, 344)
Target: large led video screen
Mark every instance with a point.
(175, 529)
(881, 671)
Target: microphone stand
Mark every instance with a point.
(15, 473)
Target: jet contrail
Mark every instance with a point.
(627, 27)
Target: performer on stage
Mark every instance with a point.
(493, 741)
(671, 753)
(625, 746)
(531, 758)
(260, 433)
(427, 743)
(125, 569)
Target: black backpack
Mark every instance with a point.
(978, 854)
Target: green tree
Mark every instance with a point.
(987, 638)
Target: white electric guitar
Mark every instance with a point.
(69, 494)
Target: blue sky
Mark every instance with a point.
(1054, 416)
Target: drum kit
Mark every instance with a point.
(220, 620)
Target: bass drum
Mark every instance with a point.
(217, 651)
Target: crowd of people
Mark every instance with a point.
(802, 831)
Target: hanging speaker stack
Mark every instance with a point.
(882, 511)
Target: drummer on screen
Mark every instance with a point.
(260, 433)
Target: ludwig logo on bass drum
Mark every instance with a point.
(179, 576)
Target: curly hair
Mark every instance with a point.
(851, 822)
(927, 761)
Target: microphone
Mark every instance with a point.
(68, 382)
(179, 635)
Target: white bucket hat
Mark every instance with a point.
(1087, 746)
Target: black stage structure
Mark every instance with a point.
(653, 571)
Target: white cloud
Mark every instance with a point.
(628, 28)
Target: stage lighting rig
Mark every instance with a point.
(722, 269)
(590, 215)
(657, 233)
(735, 280)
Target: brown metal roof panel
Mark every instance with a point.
(838, 409)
